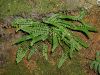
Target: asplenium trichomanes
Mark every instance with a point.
(59, 27)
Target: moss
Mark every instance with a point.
(13, 7)
(1, 40)
(72, 67)
(47, 6)
(14, 69)
(17, 7)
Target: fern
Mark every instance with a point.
(59, 28)
(95, 64)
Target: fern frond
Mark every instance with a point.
(81, 42)
(62, 59)
(22, 39)
(96, 66)
(99, 68)
(38, 38)
(76, 18)
(88, 26)
(71, 50)
(45, 51)
(97, 57)
(92, 64)
(55, 42)
(20, 54)
(73, 47)
(36, 31)
(22, 22)
(32, 51)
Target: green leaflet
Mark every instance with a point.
(80, 27)
(66, 41)
(72, 48)
(80, 17)
(81, 42)
(38, 38)
(55, 42)
(45, 51)
(77, 46)
(62, 59)
(99, 68)
(26, 29)
(32, 51)
(88, 26)
(20, 54)
(69, 25)
(92, 64)
(96, 66)
(97, 56)
(22, 22)
(83, 29)
(22, 39)
(36, 31)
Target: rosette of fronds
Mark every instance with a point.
(95, 64)
(60, 28)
